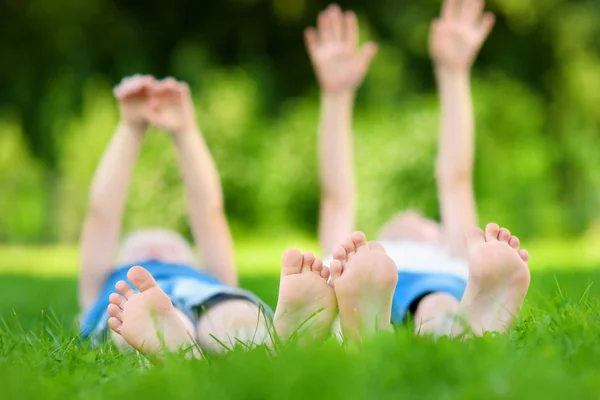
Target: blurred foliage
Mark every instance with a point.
(536, 88)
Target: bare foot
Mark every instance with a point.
(147, 320)
(364, 278)
(498, 280)
(307, 306)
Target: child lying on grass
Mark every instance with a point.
(431, 258)
(178, 305)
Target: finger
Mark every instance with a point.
(471, 10)
(325, 32)
(449, 9)
(311, 40)
(368, 51)
(337, 22)
(434, 34)
(147, 82)
(162, 87)
(487, 24)
(351, 29)
(124, 88)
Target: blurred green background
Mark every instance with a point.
(536, 90)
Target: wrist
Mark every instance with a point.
(345, 97)
(136, 128)
(184, 134)
(446, 72)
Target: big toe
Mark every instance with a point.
(292, 262)
(491, 232)
(359, 239)
(141, 278)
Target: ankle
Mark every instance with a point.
(435, 314)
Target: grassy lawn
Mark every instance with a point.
(553, 352)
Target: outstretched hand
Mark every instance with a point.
(457, 37)
(132, 95)
(171, 107)
(339, 63)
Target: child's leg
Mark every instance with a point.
(305, 309)
(232, 323)
(435, 314)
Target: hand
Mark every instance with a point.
(338, 62)
(132, 94)
(171, 107)
(458, 35)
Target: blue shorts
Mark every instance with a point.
(189, 289)
(423, 268)
(412, 287)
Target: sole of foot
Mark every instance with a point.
(364, 278)
(307, 304)
(147, 320)
(499, 278)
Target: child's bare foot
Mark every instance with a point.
(364, 278)
(307, 304)
(498, 280)
(147, 320)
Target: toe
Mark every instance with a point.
(325, 273)
(115, 312)
(292, 262)
(474, 237)
(339, 254)
(124, 288)
(524, 255)
(336, 270)
(115, 324)
(514, 242)
(307, 261)
(504, 235)
(348, 245)
(491, 232)
(141, 278)
(117, 300)
(359, 239)
(317, 266)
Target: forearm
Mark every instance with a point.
(102, 226)
(456, 157)
(457, 129)
(336, 169)
(108, 193)
(205, 206)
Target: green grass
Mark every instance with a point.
(553, 352)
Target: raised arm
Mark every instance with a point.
(108, 194)
(172, 109)
(456, 39)
(340, 66)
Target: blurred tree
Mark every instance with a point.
(546, 53)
